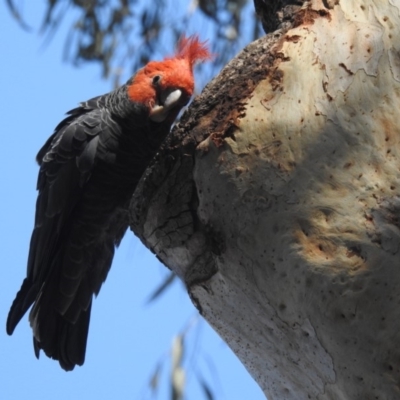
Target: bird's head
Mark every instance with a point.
(166, 86)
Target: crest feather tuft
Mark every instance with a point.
(191, 49)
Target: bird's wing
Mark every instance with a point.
(66, 161)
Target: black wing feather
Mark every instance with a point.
(89, 169)
(58, 281)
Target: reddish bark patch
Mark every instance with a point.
(308, 16)
(292, 38)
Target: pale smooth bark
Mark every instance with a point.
(277, 201)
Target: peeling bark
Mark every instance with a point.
(277, 200)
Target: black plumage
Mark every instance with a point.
(89, 169)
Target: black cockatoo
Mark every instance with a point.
(89, 169)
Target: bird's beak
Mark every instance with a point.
(167, 101)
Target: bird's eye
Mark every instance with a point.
(156, 80)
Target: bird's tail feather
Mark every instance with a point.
(23, 300)
(58, 337)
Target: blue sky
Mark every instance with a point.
(127, 337)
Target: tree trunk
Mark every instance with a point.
(277, 201)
